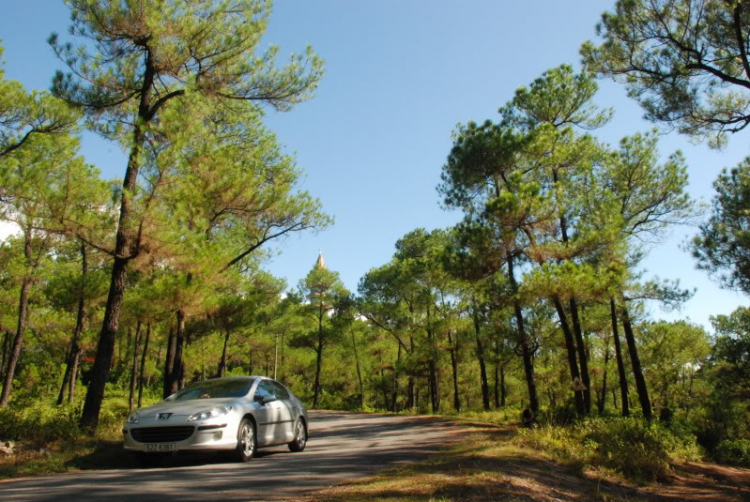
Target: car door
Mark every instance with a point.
(284, 432)
(266, 413)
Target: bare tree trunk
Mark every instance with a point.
(126, 248)
(106, 346)
(620, 363)
(582, 357)
(603, 399)
(571, 352)
(134, 366)
(182, 376)
(359, 370)
(15, 352)
(223, 362)
(614, 397)
(384, 388)
(74, 353)
(7, 335)
(174, 369)
(179, 366)
(433, 383)
(142, 378)
(503, 389)
(319, 358)
(169, 363)
(482, 363)
(528, 363)
(394, 394)
(23, 316)
(497, 385)
(454, 367)
(640, 381)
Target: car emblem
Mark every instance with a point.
(163, 416)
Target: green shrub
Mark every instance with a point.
(39, 422)
(508, 415)
(735, 452)
(632, 447)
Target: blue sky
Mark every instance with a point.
(400, 74)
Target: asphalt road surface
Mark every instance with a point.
(342, 446)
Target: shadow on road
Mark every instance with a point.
(342, 446)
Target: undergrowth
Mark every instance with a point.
(46, 438)
(734, 452)
(632, 447)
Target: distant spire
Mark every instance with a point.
(321, 263)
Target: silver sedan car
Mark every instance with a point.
(236, 414)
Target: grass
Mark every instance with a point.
(48, 441)
(488, 464)
(84, 453)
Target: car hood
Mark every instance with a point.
(186, 407)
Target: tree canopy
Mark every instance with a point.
(685, 61)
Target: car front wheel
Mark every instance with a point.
(300, 436)
(246, 441)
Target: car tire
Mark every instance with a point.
(300, 436)
(247, 442)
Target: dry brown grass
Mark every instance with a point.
(488, 465)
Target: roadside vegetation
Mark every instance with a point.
(499, 462)
(115, 294)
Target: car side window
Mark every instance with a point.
(263, 390)
(279, 390)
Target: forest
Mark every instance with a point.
(116, 293)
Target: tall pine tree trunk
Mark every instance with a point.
(582, 357)
(319, 356)
(570, 349)
(179, 365)
(126, 247)
(618, 358)
(454, 367)
(223, 362)
(482, 363)
(528, 363)
(394, 394)
(134, 366)
(603, 396)
(497, 385)
(15, 351)
(169, 363)
(7, 336)
(640, 381)
(433, 379)
(359, 369)
(411, 401)
(503, 388)
(115, 298)
(174, 363)
(23, 317)
(142, 373)
(74, 353)
(182, 377)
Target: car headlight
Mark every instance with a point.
(133, 418)
(213, 412)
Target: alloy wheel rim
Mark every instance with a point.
(301, 434)
(246, 437)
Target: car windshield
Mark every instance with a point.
(214, 388)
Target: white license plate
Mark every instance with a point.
(160, 447)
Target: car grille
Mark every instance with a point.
(162, 434)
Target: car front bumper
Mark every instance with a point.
(150, 437)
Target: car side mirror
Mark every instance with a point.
(268, 399)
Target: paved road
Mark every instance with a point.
(342, 446)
